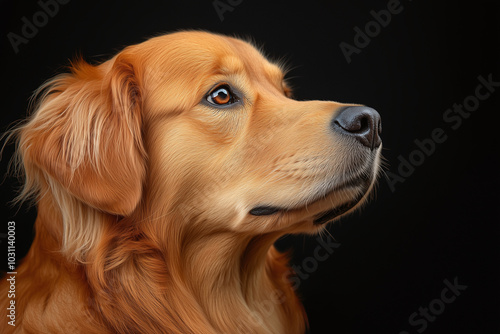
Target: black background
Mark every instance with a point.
(441, 223)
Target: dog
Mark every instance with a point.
(162, 178)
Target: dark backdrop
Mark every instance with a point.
(434, 221)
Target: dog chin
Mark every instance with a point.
(331, 214)
(326, 207)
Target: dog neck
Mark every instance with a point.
(230, 278)
(229, 282)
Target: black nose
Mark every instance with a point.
(361, 123)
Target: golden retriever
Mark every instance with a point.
(162, 178)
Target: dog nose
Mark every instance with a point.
(360, 122)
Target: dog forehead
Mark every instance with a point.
(202, 53)
(230, 55)
(252, 58)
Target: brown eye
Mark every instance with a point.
(221, 95)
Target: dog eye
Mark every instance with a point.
(221, 95)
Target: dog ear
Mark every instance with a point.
(85, 134)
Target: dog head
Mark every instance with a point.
(199, 127)
(227, 144)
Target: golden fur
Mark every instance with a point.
(144, 190)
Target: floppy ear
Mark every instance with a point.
(86, 135)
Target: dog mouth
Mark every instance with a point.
(364, 181)
(326, 216)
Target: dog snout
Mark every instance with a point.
(360, 122)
